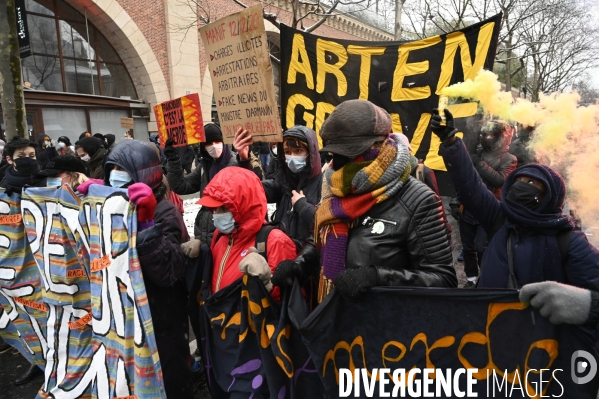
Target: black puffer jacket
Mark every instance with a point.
(196, 181)
(405, 239)
(297, 221)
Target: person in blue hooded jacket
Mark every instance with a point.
(526, 226)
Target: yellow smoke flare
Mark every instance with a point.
(566, 136)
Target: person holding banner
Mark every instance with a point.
(238, 204)
(160, 232)
(297, 184)
(530, 240)
(65, 169)
(377, 225)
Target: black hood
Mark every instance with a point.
(138, 159)
(110, 138)
(90, 145)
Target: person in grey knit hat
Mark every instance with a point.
(377, 225)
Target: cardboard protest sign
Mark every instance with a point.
(127, 123)
(72, 296)
(404, 78)
(180, 120)
(242, 76)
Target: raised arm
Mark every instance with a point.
(470, 189)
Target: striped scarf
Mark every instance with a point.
(351, 191)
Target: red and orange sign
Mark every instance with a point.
(180, 120)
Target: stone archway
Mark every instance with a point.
(131, 45)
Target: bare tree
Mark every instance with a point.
(562, 43)
(12, 100)
(588, 93)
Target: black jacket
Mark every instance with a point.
(44, 155)
(196, 181)
(273, 167)
(405, 239)
(297, 221)
(163, 264)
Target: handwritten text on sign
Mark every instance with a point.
(242, 75)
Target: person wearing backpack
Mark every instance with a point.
(297, 184)
(238, 204)
(530, 240)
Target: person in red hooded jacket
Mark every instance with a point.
(238, 203)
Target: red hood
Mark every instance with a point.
(242, 193)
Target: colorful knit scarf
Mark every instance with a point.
(351, 191)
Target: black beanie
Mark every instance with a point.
(213, 133)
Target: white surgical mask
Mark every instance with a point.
(295, 163)
(47, 143)
(224, 222)
(118, 178)
(215, 150)
(85, 158)
(53, 182)
(60, 144)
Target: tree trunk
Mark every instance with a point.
(13, 102)
(508, 66)
(534, 92)
(398, 12)
(295, 6)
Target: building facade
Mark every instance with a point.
(95, 61)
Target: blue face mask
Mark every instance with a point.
(53, 182)
(295, 163)
(118, 178)
(224, 222)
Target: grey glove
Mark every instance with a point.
(559, 302)
(254, 264)
(191, 248)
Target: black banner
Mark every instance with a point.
(22, 30)
(482, 342)
(405, 78)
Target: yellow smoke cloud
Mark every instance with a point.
(566, 136)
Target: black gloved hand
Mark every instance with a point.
(286, 272)
(444, 132)
(306, 265)
(475, 159)
(169, 150)
(355, 282)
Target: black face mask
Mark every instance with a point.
(488, 144)
(26, 166)
(340, 161)
(524, 194)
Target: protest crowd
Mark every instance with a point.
(350, 216)
(293, 239)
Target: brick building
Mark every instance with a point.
(95, 61)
